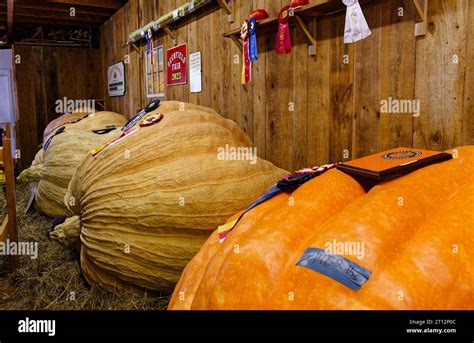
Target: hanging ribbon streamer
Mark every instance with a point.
(253, 50)
(149, 45)
(247, 65)
(150, 38)
(288, 183)
(283, 40)
(356, 27)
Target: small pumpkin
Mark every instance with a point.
(147, 203)
(407, 247)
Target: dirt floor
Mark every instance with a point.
(54, 281)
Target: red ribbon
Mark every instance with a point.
(283, 40)
(247, 64)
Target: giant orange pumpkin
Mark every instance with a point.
(416, 237)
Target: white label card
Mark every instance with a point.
(195, 74)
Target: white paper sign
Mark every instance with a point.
(195, 75)
(116, 79)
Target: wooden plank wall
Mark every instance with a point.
(44, 75)
(336, 112)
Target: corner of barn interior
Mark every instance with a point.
(409, 84)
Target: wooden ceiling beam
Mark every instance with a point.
(65, 9)
(34, 21)
(110, 4)
(45, 14)
(10, 16)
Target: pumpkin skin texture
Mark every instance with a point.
(135, 202)
(436, 263)
(265, 238)
(57, 167)
(408, 250)
(61, 120)
(94, 121)
(193, 270)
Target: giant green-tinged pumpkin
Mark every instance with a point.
(53, 169)
(56, 172)
(85, 121)
(65, 119)
(416, 236)
(145, 205)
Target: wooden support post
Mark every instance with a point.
(10, 6)
(309, 36)
(237, 42)
(421, 16)
(170, 33)
(39, 31)
(4, 229)
(10, 186)
(133, 45)
(230, 10)
(136, 48)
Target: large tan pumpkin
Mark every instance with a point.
(147, 204)
(416, 232)
(53, 169)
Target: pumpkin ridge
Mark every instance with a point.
(393, 266)
(213, 268)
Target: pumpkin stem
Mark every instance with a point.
(32, 174)
(68, 232)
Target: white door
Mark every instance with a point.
(7, 114)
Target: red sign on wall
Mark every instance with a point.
(176, 61)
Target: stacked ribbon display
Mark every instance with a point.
(283, 40)
(288, 183)
(356, 27)
(248, 33)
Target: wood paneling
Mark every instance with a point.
(336, 94)
(440, 81)
(45, 75)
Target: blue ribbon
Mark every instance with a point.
(253, 52)
(286, 184)
(147, 43)
(336, 267)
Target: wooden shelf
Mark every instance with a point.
(167, 26)
(328, 7)
(318, 9)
